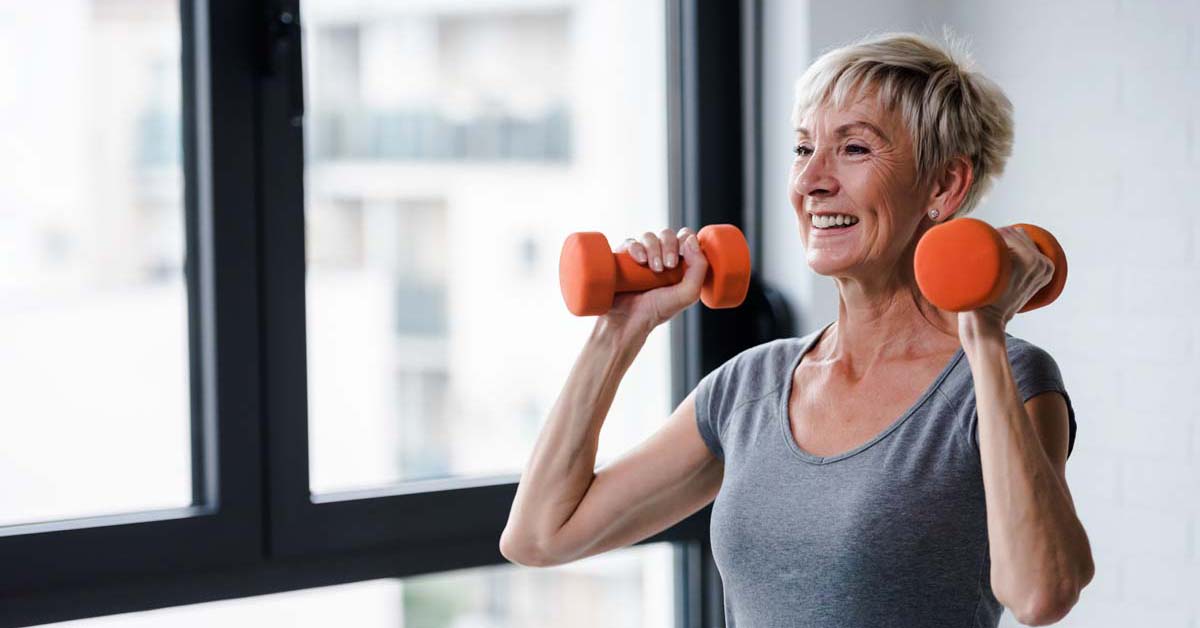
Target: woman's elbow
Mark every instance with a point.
(1047, 604)
(1039, 601)
(518, 554)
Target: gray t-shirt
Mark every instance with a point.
(890, 533)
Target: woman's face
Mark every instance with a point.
(855, 162)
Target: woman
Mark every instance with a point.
(903, 466)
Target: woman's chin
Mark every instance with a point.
(823, 265)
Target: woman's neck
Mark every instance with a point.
(888, 324)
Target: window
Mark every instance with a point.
(279, 306)
(450, 150)
(93, 298)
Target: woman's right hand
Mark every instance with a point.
(651, 308)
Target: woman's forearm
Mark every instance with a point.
(562, 465)
(1039, 550)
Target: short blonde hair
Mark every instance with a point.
(949, 108)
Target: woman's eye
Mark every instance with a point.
(802, 151)
(857, 150)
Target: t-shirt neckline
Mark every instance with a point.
(787, 393)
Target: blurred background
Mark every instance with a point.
(450, 146)
(506, 124)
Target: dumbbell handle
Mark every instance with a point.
(634, 277)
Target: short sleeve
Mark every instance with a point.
(709, 398)
(752, 375)
(1036, 372)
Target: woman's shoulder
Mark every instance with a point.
(753, 375)
(1033, 366)
(776, 349)
(1030, 359)
(760, 369)
(771, 354)
(1019, 344)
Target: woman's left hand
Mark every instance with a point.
(1031, 270)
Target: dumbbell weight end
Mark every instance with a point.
(964, 264)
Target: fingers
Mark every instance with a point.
(667, 249)
(1043, 261)
(697, 265)
(689, 249)
(670, 248)
(678, 240)
(653, 250)
(1019, 242)
(682, 234)
(1016, 236)
(1030, 254)
(660, 250)
(635, 249)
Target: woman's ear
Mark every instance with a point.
(950, 188)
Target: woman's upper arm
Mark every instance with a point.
(1048, 412)
(1036, 373)
(656, 484)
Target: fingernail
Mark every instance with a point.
(693, 244)
(656, 264)
(640, 256)
(670, 260)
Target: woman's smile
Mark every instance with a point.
(828, 222)
(833, 233)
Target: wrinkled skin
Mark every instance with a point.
(860, 161)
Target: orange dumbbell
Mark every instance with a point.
(590, 274)
(964, 264)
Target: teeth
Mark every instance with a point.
(824, 222)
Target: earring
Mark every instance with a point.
(933, 213)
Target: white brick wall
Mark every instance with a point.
(1107, 156)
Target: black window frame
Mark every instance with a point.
(259, 532)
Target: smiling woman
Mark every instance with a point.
(902, 465)
(876, 125)
(911, 485)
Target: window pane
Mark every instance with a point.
(94, 418)
(450, 151)
(630, 588)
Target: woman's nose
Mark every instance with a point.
(816, 178)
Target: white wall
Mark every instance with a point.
(1107, 112)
